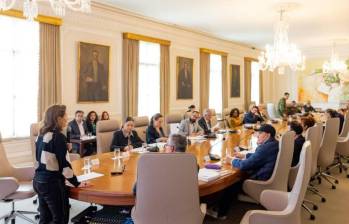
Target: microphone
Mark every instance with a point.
(215, 157)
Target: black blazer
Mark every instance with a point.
(90, 128)
(298, 144)
(74, 131)
(152, 134)
(204, 126)
(120, 141)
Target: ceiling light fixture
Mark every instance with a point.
(334, 65)
(30, 7)
(283, 53)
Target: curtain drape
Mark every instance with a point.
(261, 87)
(164, 79)
(50, 87)
(204, 79)
(224, 83)
(130, 77)
(247, 70)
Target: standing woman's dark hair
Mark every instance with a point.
(53, 169)
(51, 118)
(155, 117)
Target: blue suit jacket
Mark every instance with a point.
(260, 165)
(250, 118)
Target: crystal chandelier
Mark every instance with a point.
(334, 65)
(30, 7)
(283, 53)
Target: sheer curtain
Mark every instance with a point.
(149, 79)
(215, 92)
(19, 57)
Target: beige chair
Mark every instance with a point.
(15, 185)
(214, 119)
(271, 111)
(284, 207)
(172, 122)
(141, 125)
(345, 128)
(34, 133)
(342, 148)
(279, 179)
(167, 190)
(104, 134)
(327, 150)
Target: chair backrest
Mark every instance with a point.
(279, 178)
(314, 135)
(104, 132)
(172, 120)
(328, 143)
(271, 111)
(167, 189)
(141, 124)
(302, 180)
(6, 168)
(345, 128)
(34, 133)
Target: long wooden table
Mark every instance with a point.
(118, 190)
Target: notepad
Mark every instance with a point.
(89, 176)
(207, 175)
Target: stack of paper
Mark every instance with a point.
(89, 176)
(207, 175)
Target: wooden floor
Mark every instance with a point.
(334, 211)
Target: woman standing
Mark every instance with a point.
(53, 169)
(91, 122)
(155, 132)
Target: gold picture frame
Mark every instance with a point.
(184, 78)
(93, 73)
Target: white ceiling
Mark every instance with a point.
(312, 26)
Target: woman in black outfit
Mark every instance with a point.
(53, 168)
(155, 132)
(91, 122)
(126, 138)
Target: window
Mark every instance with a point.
(149, 79)
(215, 94)
(255, 82)
(19, 76)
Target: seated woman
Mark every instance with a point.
(234, 118)
(105, 116)
(298, 141)
(155, 132)
(126, 138)
(91, 122)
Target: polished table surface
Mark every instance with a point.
(118, 189)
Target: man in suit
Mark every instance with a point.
(190, 126)
(253, 116)
(77, 128)
(206, 124)
(185, 83)
(95, 78)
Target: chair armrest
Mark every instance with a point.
(259, 216)
(24, 173)
(8, 185)
(293, 175)
(274, 200)
(254, 188)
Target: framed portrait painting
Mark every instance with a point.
(93, 72)
(234, 81)
(184, 78)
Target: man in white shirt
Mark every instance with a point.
(205, 123)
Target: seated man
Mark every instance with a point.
(259, 166)
(308, 107)
(205, 122)
(126, 138)
(298, 141)
(252, 117)
(293, 109)
(175, 143)
(190, 126)
(76, 129)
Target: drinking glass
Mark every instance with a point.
(87, 165)
(116, 153)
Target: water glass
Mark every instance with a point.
(116, 153)
(87, 165)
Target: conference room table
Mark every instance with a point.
(117, 190)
